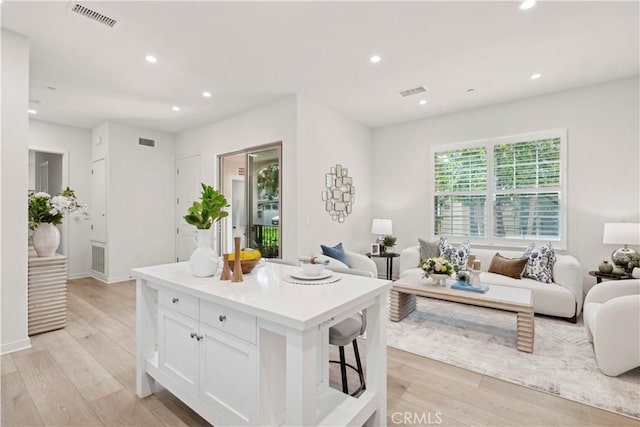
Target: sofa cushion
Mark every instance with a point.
(336, 252)
(456, 256)
(508, 266)
(540, 264)
(429, 249)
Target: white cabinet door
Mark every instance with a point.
(178, 347)
(228, 375)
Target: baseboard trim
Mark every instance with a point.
(79, 275)
(12, 347)
(110, 280)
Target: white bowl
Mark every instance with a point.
(312, 269)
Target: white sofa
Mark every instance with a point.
(612, 323)
(562, 298)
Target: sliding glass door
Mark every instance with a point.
(251, 181)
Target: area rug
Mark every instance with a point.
(483, 340)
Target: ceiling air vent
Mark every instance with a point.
(414, 91)
(146, 142)
(94, 15)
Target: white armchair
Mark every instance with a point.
(612, 322)
(358, 264)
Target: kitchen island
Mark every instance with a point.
(256, 352)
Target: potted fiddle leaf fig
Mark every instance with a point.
(209, 209)
(202, 214)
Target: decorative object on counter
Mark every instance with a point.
(45, 212)
(605, 267)
(237, 266)
(622, 233)
(439, 269)
(226, 271)
(389, 242)
(249, 259)
(202, 214)
(381, 227)
(339, 194)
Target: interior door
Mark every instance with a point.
(188, 189)
(99, 201)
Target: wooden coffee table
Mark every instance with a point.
(520, 301)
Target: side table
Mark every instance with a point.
(47, 293)
(389, 256)
(599, 276)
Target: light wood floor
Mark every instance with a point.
(84, 375)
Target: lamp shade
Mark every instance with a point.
(381, 226)
(623, 233)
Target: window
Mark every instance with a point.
(501, 190)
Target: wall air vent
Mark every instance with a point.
(97, 259)
(93, 15)
(414, 91)
(241, 171)
(146, 142)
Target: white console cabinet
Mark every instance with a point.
(256, 352)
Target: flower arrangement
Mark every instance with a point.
(46, 209)
(437, 266)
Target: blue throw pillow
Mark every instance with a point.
(336, 252)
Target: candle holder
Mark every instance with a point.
(237, 266)
(226, 271)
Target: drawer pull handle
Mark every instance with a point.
(199, 337)
(222, 317)
(175, 300)
(194, 335)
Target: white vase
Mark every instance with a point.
(46, 239)
(204, 261)
(439, 278)
(636, 272)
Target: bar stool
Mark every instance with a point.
(341, 335)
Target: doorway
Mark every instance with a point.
(251, 180)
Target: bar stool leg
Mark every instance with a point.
(343, 370)
(363, 386)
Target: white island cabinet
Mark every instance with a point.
(256, 352)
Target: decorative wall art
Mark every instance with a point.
(339, 194)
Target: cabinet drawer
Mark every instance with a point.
(231, 321)
(178, 301)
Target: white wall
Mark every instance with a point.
(75, 144)
(14, 181)
(327, 138)
(140, 200)
(263, 125)
(603, 157)
(314, 138)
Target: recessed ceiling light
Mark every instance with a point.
(375, 59)
(536, 76)
(471, 90)
(51, 88)
(150, 58)
(32, 111)
(175, 108)
(206, 94)
(423, 102)
(527, 4)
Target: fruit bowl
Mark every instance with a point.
(249, 258)
(246, 265)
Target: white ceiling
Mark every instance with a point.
(248, 54)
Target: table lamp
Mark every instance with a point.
(381, 227)
(622, 233)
